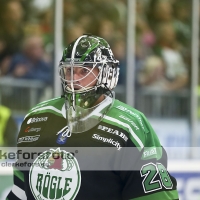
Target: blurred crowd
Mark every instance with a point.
(164, 44)
(163, 38)
(22, 52)
(163, 30)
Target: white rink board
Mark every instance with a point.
(187, 174)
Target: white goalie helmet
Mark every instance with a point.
(88, 53)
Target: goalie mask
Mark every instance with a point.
(88, 71)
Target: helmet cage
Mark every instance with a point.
(107, 77)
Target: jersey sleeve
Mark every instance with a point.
(146, 176)
(148, 179)
(18, 189)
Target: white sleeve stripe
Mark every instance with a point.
(45, 108)
(19, 192)
(129, 128)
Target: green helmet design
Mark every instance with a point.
(93, 52)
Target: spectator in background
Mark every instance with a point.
(106, 29)
(46, 27)
(106, 21)
(85, 21)
(118, 47)
(145, 37)
(178, 14)
(159, 11)
(167, 47)
(182, 25)
(182, 21)
(4, 60)
(11, 31)
(73, 32)
(70, 13)
(152, 76)
(8, 128)
(30, 63)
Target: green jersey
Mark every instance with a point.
(121, 158)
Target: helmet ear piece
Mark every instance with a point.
(115, 76)
(108, 76)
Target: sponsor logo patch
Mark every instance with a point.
(107, 140)
(29, 129)
(113, 131)
(129, 120)
(132, 113)
(37, 119)
(28, 139)
(63, 134)
(55, 174)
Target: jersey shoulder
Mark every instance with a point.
(55, 106)
(122, 111)
(134, 122)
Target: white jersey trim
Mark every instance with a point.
(18, 192)
(47, 108)
(127, 126)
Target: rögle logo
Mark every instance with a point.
(37, 119)
(55, 174)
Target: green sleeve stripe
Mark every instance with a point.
(19, 174)
(164, 195)
(133, 136)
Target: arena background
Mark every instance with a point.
(157, 44)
